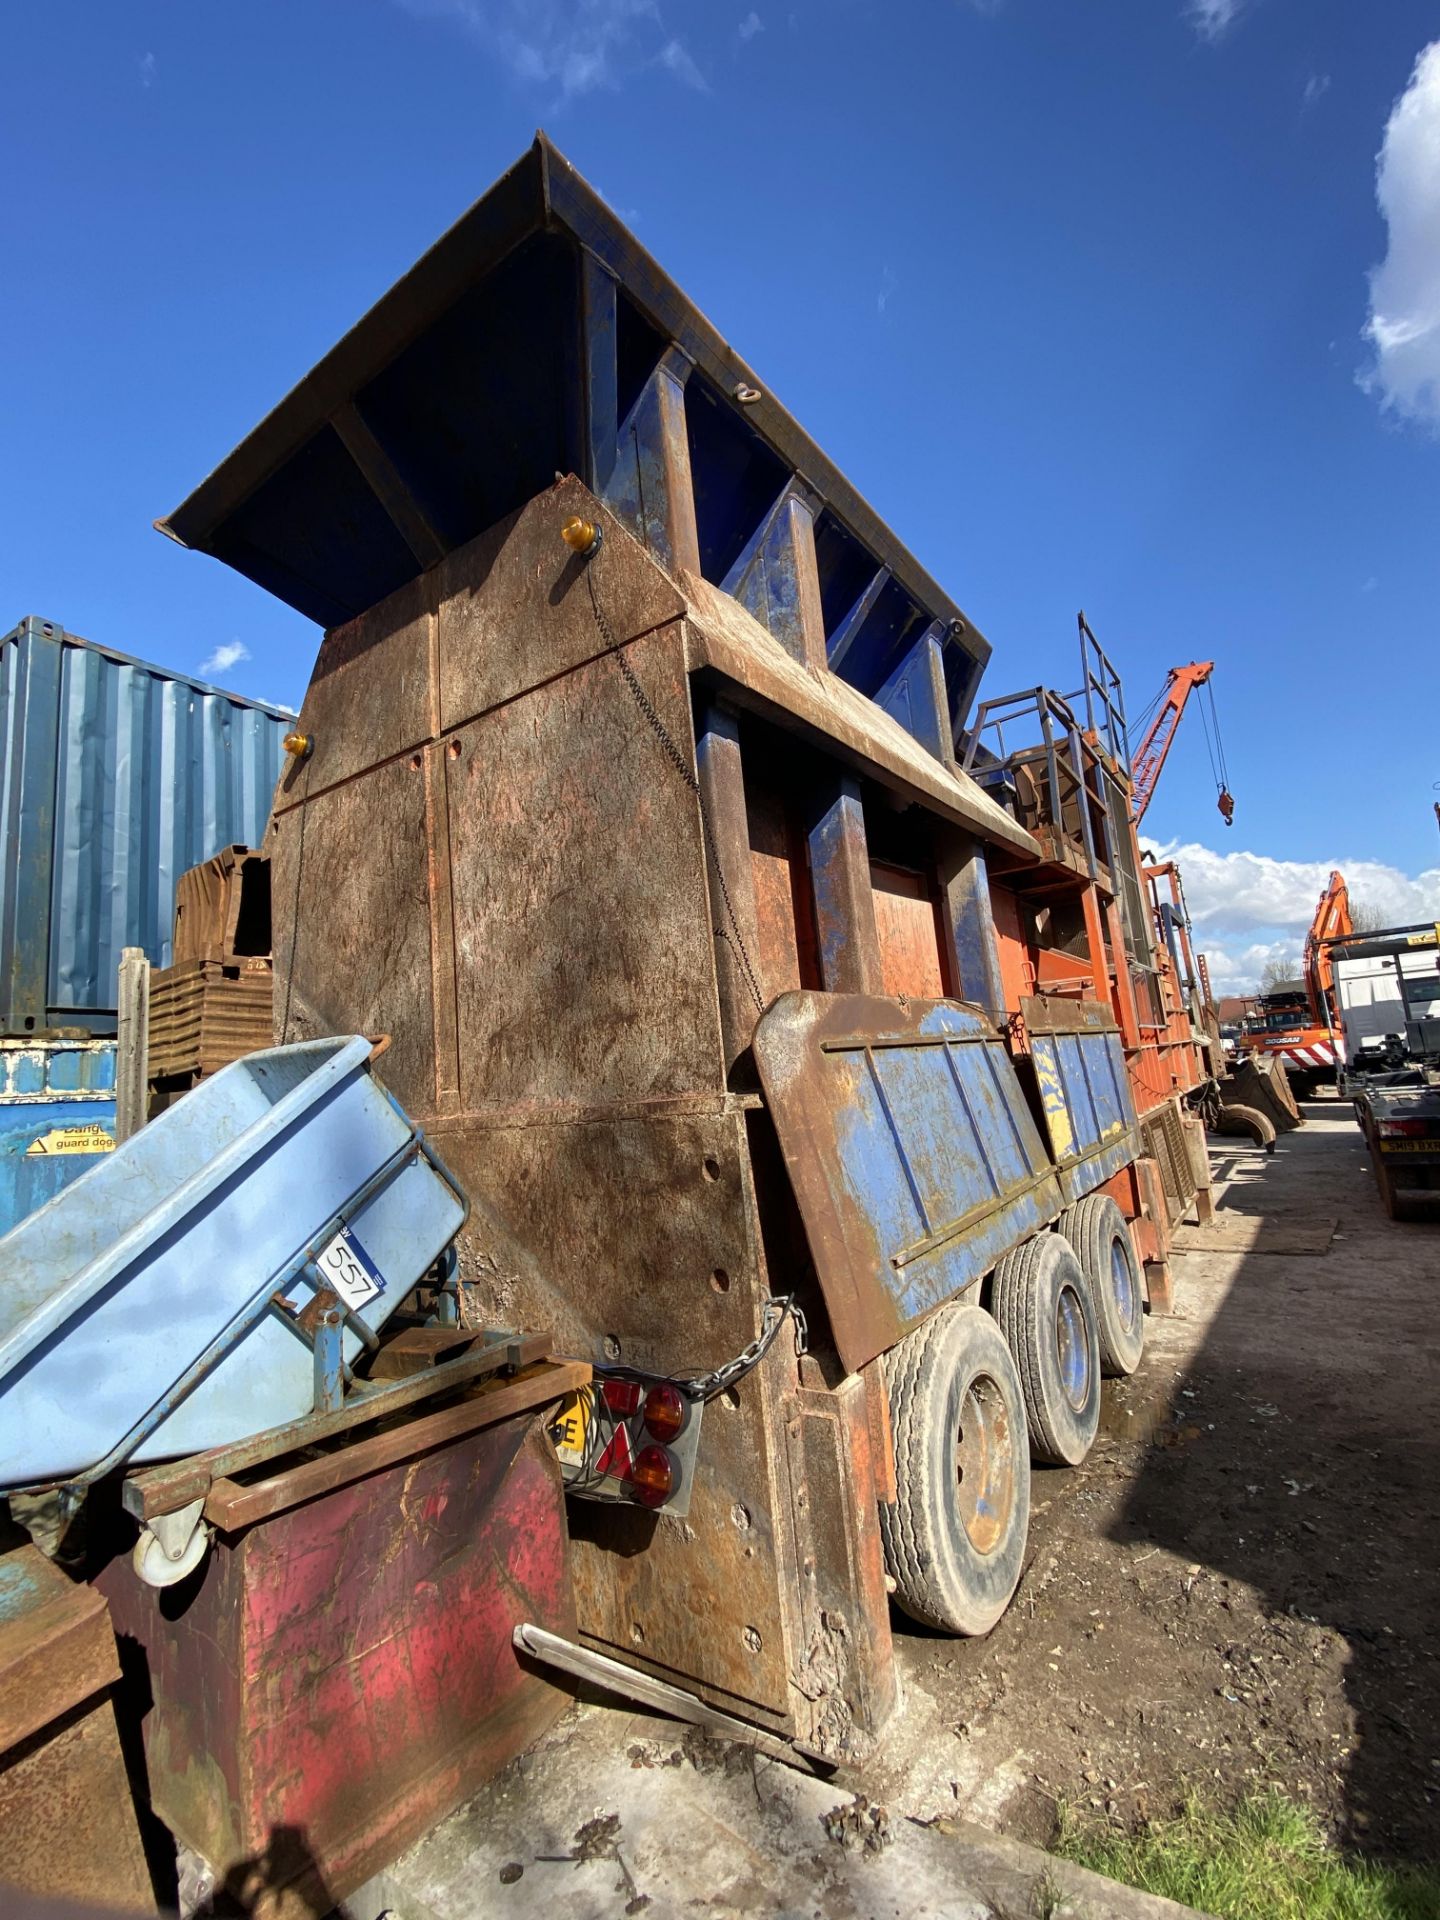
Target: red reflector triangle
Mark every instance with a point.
(616, 1460)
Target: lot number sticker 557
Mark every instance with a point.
(348, 1269)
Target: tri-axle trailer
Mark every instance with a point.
(805, 1046)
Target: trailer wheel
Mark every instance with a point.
(1385, 1180)
(955, 1536)
(1096, 1229)
(1044, 1308)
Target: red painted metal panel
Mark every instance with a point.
(909, 930)
(343, 1674)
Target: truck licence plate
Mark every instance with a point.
(347, 1268)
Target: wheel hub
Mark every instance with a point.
(984, 1465)
(1122, 1286)
(1073, 1346)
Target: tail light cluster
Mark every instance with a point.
(629, 1437)
(1403, 1129)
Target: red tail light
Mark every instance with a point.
(1410, 1129)
(621, 1396)
(664, 1411)
(653, 1477)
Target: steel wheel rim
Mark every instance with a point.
(1123, 1288)
(1072, 1346)
(985, 1464)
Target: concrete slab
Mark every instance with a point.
(615, 1814)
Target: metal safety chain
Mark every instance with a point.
(733, 936)
(773, 1315)
(304, 809)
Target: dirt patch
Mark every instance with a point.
(1239, 1584)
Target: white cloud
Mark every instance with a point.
(1248, 908)
(577, 45)
(888, 284)
(146, 64)
(1243, 892)
(1316, 88)
(227, 655)
(676, 60)
(1240, 973)
(1211, 19)
(1404, 323)
(751, 25)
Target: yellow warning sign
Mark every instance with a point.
(569, 1428)
(1052, 1098)
(91, 1139)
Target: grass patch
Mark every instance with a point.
(1269, 1859)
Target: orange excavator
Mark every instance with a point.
(1149, 756)
(1300, 1028)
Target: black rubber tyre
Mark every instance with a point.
(1096, 1229)
(955, 1537)
(1042, 1304)
(1385, 1180)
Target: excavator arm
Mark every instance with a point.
(1150, 755)
(1332, 922)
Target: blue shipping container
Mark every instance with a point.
(115, 777)
(57, 1119)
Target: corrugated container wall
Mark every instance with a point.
(116, 777)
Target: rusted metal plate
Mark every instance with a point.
(66, 1811)
(911, 1149)
(640, 1248)
(69, 1823)
(584, 956)
(232, 1504)
(56, 1647)
(343, 1674)
(484, 658)
(909, 933)
(844, 1668)
(370, 696)
(759, 675)
(352, 953)
(785, 956)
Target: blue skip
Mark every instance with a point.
(158, 1306)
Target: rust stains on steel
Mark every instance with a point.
(343, 1676)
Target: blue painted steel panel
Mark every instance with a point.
(117, 777)
(172, 1248)
(1088, 1105)
(55, 1098)
(911, 1148)
(915, 695)
(31, 1170)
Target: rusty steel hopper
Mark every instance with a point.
(569, 816)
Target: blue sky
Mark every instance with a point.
(1078, 292)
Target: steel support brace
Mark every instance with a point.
(722, 795)
(915, 695)
(601, 424)
(777, 578)
(848, 631)
(844, 902)
(1103, 988)
(1125, 1007)
(329, 1354)
(969, 924)
(650, 486)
